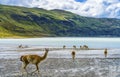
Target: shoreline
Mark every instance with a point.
(56, 48)
(60, 53)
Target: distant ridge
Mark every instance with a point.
(37, 22)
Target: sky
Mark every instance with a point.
(88, 8)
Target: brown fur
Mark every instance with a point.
(74, 46)
(33, 59)
(73, 55)
(64, 46)
(105, 52)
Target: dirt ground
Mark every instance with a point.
(64, 67)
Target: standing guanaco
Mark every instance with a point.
(64, 46)
(105, 52)
(74, 46)
(73, 55)
(33, 59)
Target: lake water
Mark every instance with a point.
(9, 47)
(59, 42)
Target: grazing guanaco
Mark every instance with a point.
(81, 47)
(20, 46)
(74, 46)
(64, 46)
(105, 52)
(85, 47)
(33, 59)
(73, 55)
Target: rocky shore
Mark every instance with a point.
(64, 67)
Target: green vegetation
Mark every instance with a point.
(36, 22)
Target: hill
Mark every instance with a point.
(37, 22)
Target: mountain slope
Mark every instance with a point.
(36, 22)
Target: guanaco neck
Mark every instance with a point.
(44, 56)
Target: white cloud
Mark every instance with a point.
(114, 10)
(91, 8)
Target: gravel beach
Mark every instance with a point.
(64, 67)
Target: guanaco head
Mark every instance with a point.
(45, 55)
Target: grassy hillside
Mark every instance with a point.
(37, 22)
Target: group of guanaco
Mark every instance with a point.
(36, 59)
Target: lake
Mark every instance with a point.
(60, 41)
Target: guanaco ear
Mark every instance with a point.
(46, 49)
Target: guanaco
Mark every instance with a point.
(20, 46)
(73, 55)
(105, 52)
(64, 46)
(74, 46)
(33, 59)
